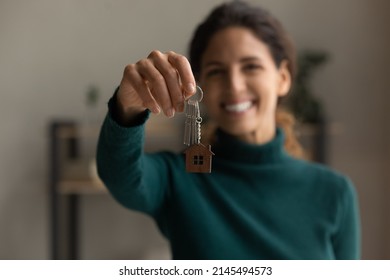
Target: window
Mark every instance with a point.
(197, 160)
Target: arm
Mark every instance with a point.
(159, 82)
(136, 180)
(347, 240)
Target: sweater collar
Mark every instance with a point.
(231, 148)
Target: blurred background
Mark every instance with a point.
(60, 62)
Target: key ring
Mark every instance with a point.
(199, 92)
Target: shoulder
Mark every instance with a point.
(323, 177)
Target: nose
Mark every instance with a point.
(236, 82)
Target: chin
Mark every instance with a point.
(238, 130)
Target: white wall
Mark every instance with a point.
(51, 51)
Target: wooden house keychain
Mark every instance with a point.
(198, 156)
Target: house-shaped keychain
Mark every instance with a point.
(198, 158)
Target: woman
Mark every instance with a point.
(259, 202)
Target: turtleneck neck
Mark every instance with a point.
(231, 148)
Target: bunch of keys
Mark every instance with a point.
(198, 156)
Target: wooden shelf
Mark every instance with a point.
(79, 131)
(74, 174)
(82, 187)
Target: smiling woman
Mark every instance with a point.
(243, 83)
(259, 202)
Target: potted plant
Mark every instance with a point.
(308, 108)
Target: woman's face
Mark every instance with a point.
(241, 84)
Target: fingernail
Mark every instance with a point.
(170, 112)
(190, 88)
(156, 110)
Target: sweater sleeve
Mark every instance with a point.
(136, 180)
(347, 241)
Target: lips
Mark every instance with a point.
(239, 107)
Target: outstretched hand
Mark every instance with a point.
(160, 82)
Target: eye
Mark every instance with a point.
(251, 67)
(214, 72)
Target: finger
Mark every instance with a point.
(171, 78)
(136, 84)
(183, 67)
(157, 85)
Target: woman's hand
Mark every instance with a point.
(162, 81)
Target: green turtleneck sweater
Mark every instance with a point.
(257, 203)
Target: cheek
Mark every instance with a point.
(268, 104)
(211, 95)
(209, 104)
(210, 108)
(266, 88)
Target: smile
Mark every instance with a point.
(238, 107)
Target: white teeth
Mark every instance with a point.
(239, 107)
